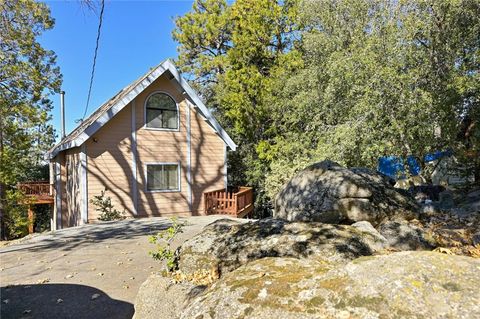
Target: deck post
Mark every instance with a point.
(235, 204)
(31, 219)
(205, 203)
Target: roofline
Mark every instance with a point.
(198, 102)
(166, 65)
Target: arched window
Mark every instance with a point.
(161, 112)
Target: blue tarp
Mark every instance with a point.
(391, 166)
(436, 155)
(413, 165)
(394, 166)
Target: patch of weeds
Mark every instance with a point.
(163, 240)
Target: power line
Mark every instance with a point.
(94, 57)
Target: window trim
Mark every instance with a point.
(160, 128)
(179, 174)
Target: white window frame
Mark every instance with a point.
(179, 170)
(160, 128)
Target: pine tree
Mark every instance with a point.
(28, 75)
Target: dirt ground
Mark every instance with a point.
(91, 271)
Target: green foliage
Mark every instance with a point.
(16, 221)
(233, 54)
(379, 78)
(163, 240)
(105, 207)
(350, 80)
(43, 215)
(28, 75)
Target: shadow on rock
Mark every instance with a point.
(228, 244)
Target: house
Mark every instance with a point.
(154, 147)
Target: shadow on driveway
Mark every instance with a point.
(76, 237)
(42, 301)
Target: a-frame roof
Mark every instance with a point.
(109, 109)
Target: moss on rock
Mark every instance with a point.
(398, 285)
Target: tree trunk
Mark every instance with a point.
(476, 171)
(3, 235)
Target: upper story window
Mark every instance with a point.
(161, 112)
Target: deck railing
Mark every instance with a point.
(238, 204)
(42, 188)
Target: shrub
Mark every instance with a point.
(16, 215)
(105, 207)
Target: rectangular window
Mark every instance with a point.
(162, 118)
(163, 177)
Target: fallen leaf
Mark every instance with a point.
(68, 276)
(43, 281)
(443, 250)
(5, 301)
(100, 274)
(27, 311)
(95, 296)
(59, 300)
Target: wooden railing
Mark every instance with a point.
(41, 189)
(238, 204)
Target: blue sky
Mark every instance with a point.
(136, 35)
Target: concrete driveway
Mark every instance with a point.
(91, 271)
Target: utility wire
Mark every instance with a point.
(94, 58)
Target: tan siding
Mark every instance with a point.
(156, 146)
(109, 164)
(71, 198)
(207, 161)
(63, 190)
(109, 160)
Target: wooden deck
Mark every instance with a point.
(238, 204)
(36, 193)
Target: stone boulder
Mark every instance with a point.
(159, 297)
(227, 244)
(399, 285)
(368, 228)
(421, 193)
(329, 193)
(405, 236)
